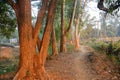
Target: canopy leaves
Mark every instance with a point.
(7, 19)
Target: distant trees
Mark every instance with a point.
(109, 23)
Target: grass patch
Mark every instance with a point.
(8, 65)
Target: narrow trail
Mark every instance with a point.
(82, 66)
(78, 65)
(72, 66)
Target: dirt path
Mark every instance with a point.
(82, 66)
(79, 66)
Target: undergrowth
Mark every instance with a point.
(8, 65)
(111, 49)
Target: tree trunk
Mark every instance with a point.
(77, 23)
(31, 65)
(63, 31)
(54, 44)
(63, 37)
(63, 44)
(27, 50)
(26, 41)
(41, 57)
(77, 36)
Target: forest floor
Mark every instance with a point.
(84, 64)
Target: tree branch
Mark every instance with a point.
(13, 5)
(101, 6)
(114, 7)
(72, 17)
(111, 8)
(48, 30)
(40, 17)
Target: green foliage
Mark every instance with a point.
(113, 6)
(67, 16)
(86, 26)
(112, 49)
(101, 46)
(115, 59)
(57, 24)
(110, 33)
(68, 8)
(57, 31)
(8, 65)
(7, 19)
(50, 49)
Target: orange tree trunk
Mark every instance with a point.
(26, 41)
(63, 43)
(41, 57)
(77, 23)
(63, 37)
(77, 38)
(54, 44)
(31, 65)
(77, 34)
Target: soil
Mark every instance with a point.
(84, 64)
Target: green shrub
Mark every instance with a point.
(100, 46)
(114, 59)
(112, 49)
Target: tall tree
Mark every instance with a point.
(54, 44)
(76, 33)
(63, 38)
(31, 65)
(64, 31)
(79, 21)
